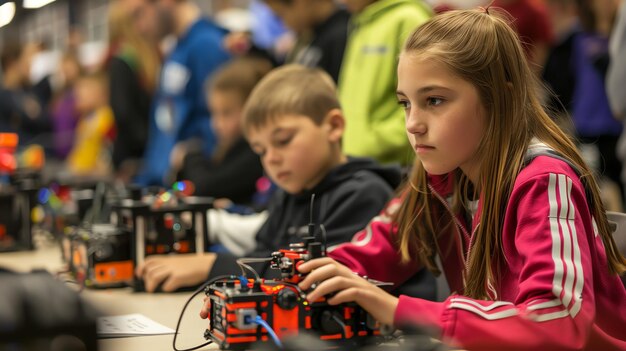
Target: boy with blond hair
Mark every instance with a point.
(293, 121)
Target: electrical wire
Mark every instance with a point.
(260, 321)
(341, 324)
(295, 286)
(323, 231)
(242, 264)
(182, 313)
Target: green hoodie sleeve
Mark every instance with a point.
(375, 122)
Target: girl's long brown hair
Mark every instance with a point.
(480, 47)
(122, 32)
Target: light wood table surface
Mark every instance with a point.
(162, 308)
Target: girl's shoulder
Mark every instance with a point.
(544, 165)
(544, 172)
(541, 160)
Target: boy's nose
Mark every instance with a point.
(271, 156)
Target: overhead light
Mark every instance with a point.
(7, 11)
(35, 4)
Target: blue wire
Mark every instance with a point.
(260, 321)
(243, 280)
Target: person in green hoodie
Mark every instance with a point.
(367, 81)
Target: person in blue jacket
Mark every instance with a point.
(179, 110)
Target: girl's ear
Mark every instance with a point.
(335, 124)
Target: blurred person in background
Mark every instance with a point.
(594, 122)
(559, 72)
(321, 29)
(616, 79)
(90, 155)
(265, 34)
(375, 125)
(42, 65)
(616, 75)
(63, 109)
(233, 169)
(133, 65)
(269, 32)
(21, 111)
(179, 110)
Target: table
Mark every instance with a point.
(162, 308)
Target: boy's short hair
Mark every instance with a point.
(239, 75)
(291, 90)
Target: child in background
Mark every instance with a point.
(232, 174)
(596, 128)
(90, 154)
(558, 71)
(374, 124)
(178, 110)
(294, 122)
(64, 114)
(233, 169)
(133, 62)
(321, 29)
(499, 193)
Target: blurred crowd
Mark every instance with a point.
(164, 101)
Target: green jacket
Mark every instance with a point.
(367, 83)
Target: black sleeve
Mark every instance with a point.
(343, 211)
(332, 44)
(351, 208)
(235, 178)
(130, 117)
(37, 124)
(225, 264)
(332, 55)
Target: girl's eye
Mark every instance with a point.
(434, 101)
(405, 104)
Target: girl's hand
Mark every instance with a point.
(333, 277)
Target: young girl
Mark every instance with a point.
(499, 193)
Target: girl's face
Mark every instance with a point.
(445, 119)
(226, 108)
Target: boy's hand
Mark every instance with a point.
(177, 156)
(204, 312)
(175, 271)
(180, 151)
(222, 203)
(333, 277)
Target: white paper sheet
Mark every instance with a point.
(130, 325)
